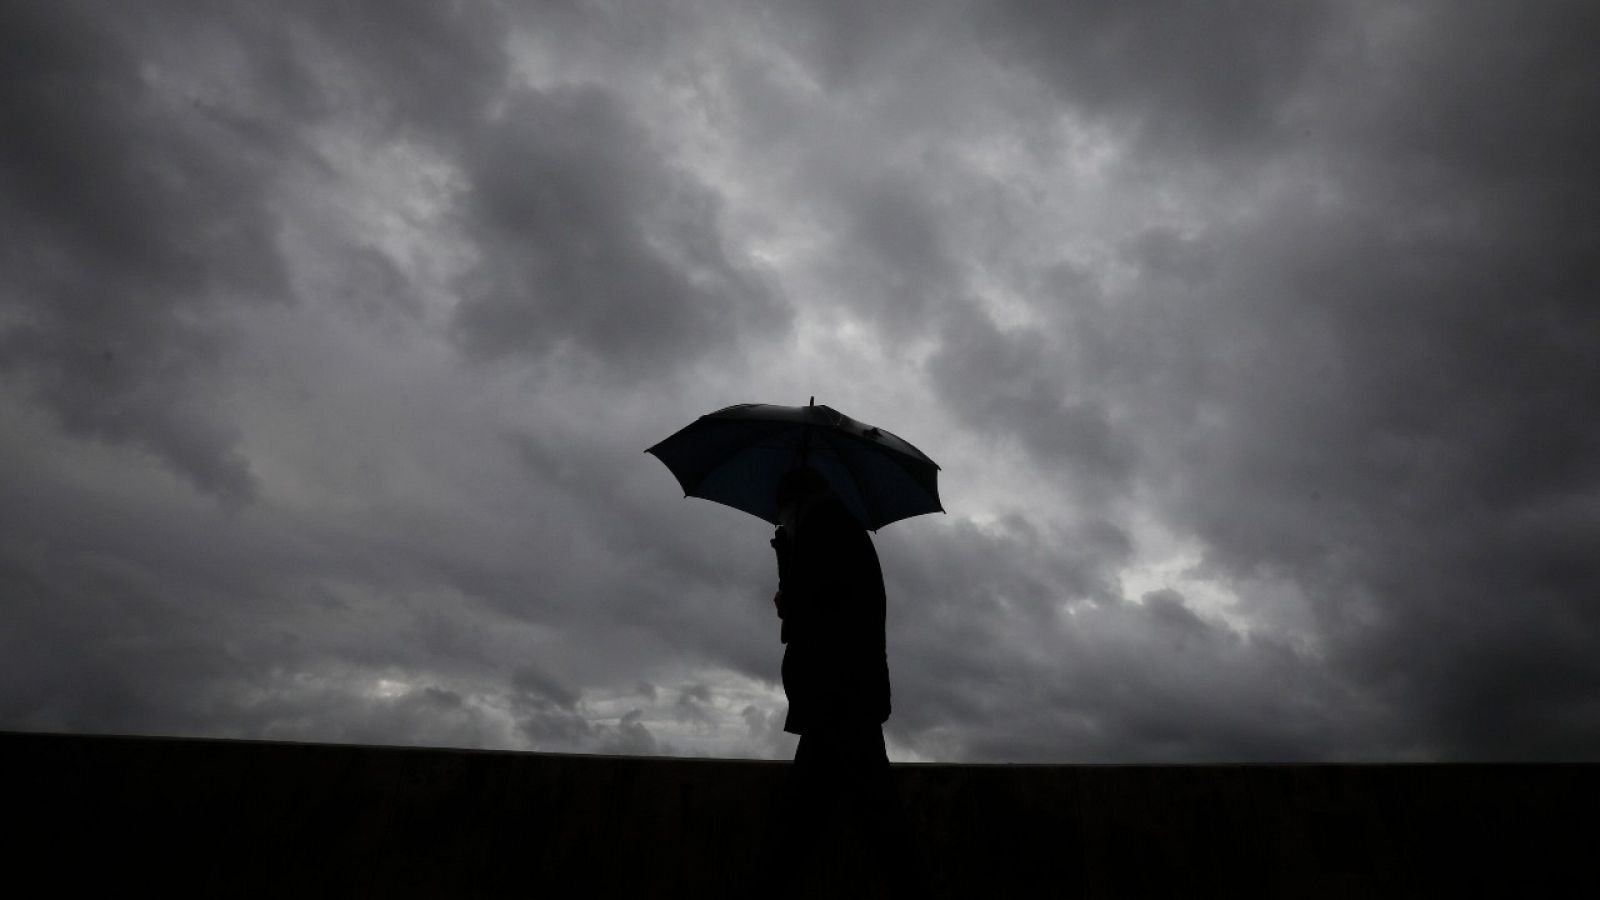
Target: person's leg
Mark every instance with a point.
(883, 821)
(799, 863)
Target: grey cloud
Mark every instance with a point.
(691, 707)
(1479, 106)
(425, 716)
(1378, 397)
(1022, 386)
(668, 579)
(540, 688)
(1150, 681)
(139, 193)
(1331, 330)
(1164, 252)
(107, 683)
(765, 732)
(845, 44)
(896, 260)
(547, 726)
(590, 241)
(1408, 394)
(428, 67)
(960, 597)
(1435, 455)
(631, 738)
(125, 216)
(1154, 681)
(1184, 78)
(115, 304)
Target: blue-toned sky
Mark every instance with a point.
(1259, 344)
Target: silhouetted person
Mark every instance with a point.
(836, 675)
(831, 601)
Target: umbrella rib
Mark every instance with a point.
(739, 448)
(905, 463)
(898, 455)
(910, 465)
(899, 459)
(854, 482)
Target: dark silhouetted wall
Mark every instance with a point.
(269, 819)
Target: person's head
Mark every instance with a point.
(799, 485)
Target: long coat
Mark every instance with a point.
(835, 669)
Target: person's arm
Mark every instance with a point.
(783, 547)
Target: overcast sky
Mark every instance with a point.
(1259, 344)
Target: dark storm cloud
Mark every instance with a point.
(1025, 632)
(1380, 397)
(667, 580)
(530, 681)
(547, 709)
(142, 203)
(1193, 77)
(590, 239)
(123, 214)
(1153, 681)
(632, 738)
(1045, 395)
(1457, 456)
(1301, 290)
(898, 264)
(138, 194)
(112, 623)
(426, 66)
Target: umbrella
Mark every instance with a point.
(737, 457)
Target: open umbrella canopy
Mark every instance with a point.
(738, 456)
